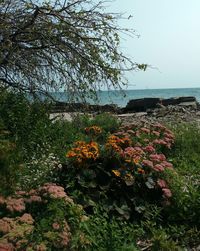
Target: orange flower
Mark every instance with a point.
(70, 154)
(93, 130)
(116, 173)
(141, 171)
(117, 144)
(84, 151)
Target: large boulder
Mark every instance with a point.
(178, 100)
(142, 104)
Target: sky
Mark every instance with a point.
(169, 41)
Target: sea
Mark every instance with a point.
(121, 98)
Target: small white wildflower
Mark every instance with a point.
(59, 166)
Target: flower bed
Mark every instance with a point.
(129, 164)
(38, 219)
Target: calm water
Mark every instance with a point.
(121, 99)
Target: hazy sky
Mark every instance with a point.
(169, 40)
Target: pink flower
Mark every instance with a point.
(26, 218)
(168, 140)
(157, 157)
(6, 247)
(145, 130)
(169, 135)
(167, 165)
(133, 152)
(15, 204)
(156, 133)
(167, 192)
(54, 192)
(4, 226)
(159, 142)
(65, 238)
(158, 168)
(138, 149)
(161, 183)
(159, 126)
(149, 149)
(35, 198)
(147, 163)
(56, 226)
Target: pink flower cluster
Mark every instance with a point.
(15, 230)
(54, 191)
(143, 157)
(134, 154)
(163, 185)
(153, 134)
(17, 203)
(157, 162)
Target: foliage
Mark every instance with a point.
(109, 234)
(120, 170)
(27, 122)
(41, 219)
(185, 184)
(53, 45)
(186, 151)
(9, 161)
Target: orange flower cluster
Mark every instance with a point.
(117, 144)
(93, 130)
(84, 151)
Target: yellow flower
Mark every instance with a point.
(116, 173)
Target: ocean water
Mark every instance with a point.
(121, 98)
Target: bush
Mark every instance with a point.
(41, 219)
(9, 162)
(121, 170)
(27, 122)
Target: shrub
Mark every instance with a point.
(27, 122)
(124, 168)
(41, 219)
(9, 161)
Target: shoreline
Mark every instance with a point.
(167, 115)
